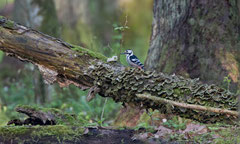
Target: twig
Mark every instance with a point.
(188, 106)
(103, 109)
(121, 42)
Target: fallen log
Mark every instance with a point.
(67, 64)
(66, 134)
(49, 125)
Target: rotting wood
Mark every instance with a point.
(68, 64)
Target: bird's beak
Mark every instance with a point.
(123, 53)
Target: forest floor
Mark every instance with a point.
(194, 133)
(51, 126)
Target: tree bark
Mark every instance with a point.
(66, 64)
(197, 39)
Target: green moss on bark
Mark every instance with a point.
(4, 22)
(53, 115)
(62, 132)
(84, 51)
(10, 132)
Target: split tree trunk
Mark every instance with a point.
(66, 64)
(197, 39)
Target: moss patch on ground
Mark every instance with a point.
(61, 132)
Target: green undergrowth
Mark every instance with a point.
(71, 127)
(217, 134)
(83, 51)
(225, 134)
(229, 136)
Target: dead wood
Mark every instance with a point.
(67, 64)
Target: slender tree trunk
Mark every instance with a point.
(95, 16)
(41, 15)
(103, 17)
(197, 39)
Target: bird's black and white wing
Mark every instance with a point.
(134, 61)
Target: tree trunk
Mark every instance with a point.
(40, 15)
(90, 17)
(197, 39)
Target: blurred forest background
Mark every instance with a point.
(106, 26)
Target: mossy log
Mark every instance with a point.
(67, 64)
(58, 134)
(43, 116)
(60, 127)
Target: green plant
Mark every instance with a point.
(120, 34)
(146, 126)
(175, 123)
(102, 114)
(4, 118)
(227, 80)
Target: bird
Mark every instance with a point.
(133, 60)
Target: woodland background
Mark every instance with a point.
(204, 44)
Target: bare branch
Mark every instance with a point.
(188, 106)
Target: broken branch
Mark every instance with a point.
(188, 106)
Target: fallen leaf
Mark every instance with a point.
(86, 131)
(162, 131)
(196, 128)
(142, 136)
